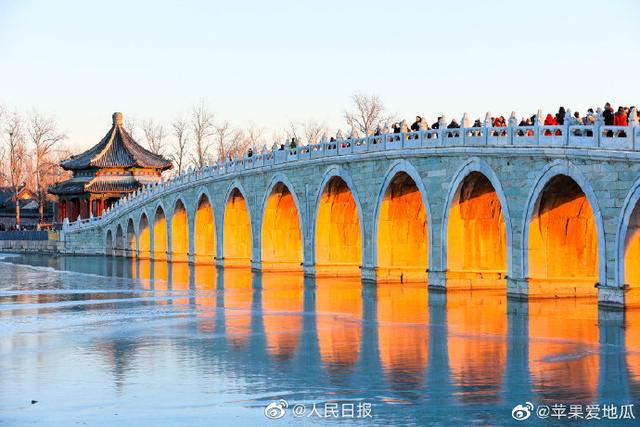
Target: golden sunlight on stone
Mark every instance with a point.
(160, 236)
(281, 234)
(338, 235)
(476, 236)
(563, 242)
(204, 234)
(179, 234)
(237, 232)
(632, 259)
(403, 247)
(144, 238)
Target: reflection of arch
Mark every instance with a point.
(403, 335)
(144, 237)
(179, 232)
(237, 305)
(160, 233)
(477, 345)
(566, 327)
(204, 230)
(402, 225)
(339, 312)
(119, 241)
(109, 243)
(478, 166)
(237, 237)
(337, 245)
(281, 227)
(131, 242)
(561, 175)
(282, 307)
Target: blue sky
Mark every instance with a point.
(269, 63)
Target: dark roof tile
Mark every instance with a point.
(116, 149)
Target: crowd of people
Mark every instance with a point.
(610, 117)
(621, 117)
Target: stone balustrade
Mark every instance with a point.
(590, 137)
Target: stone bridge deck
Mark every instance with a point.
(549, 209)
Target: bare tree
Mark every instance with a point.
(131, 126)
(241, 142)
(15, 138)
(154, 134)
(181, 133)
(3, 167)
(223, 136)
(368, 113)
(293, 132)
(254, 137)
(203, 128)
(44, 135)
(306, 133)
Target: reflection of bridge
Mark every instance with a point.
(433, 348)
(551, 209)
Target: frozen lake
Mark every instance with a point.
(100, 341)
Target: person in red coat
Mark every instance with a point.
(620, 118)
(549, 121)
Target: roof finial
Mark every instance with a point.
(117, 118)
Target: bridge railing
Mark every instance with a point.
(598, 136)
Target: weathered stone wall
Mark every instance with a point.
(32, 246)
(87, 242)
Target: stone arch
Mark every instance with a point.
(144, 236)
(410, 197)
(237, 227)
(109, 243)
(282, 237)
(160, 232)
(565, 174)
(628, 244)
(131, 242)
(204, 229)
(476, 204)
(345, 253)
(179, 231)
(119, 241)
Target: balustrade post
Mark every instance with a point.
(598, 126)
(511, 127)
(464, 126)
(567, 122)
(634, 122)
(536, 127)
(485, 131)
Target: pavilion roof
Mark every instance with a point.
(116, 149)
(100, 184)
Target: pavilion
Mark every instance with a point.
(114, 167)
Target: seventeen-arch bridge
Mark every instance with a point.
(550, 210)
